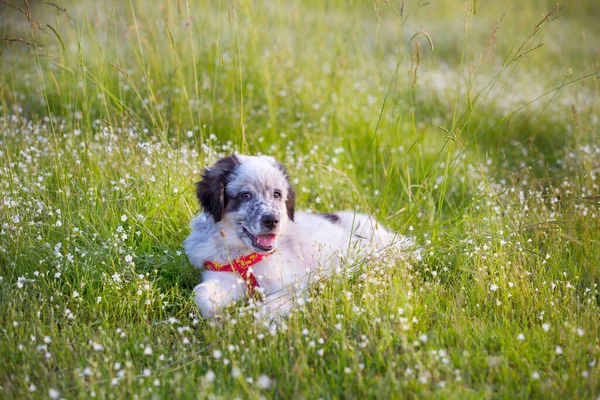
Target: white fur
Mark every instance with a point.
(308, 248)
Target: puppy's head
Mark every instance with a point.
(251, 197)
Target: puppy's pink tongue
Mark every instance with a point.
(266, 240)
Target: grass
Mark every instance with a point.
(474, 132)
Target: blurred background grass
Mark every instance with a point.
(179, 65)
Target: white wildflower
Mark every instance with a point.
(210, 376)
(264, 382)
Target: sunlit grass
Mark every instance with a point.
(447, 121)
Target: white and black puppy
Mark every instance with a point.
(250, 239)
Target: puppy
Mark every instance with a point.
(251, 241)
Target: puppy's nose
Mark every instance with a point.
(270, 220)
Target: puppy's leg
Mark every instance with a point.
(217, 292)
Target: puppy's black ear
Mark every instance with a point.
(211, 189)
(290, 201)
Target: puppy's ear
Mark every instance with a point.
(211, 189)
(290, 201)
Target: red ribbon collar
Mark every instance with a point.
(241, 265)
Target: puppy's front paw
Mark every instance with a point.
(208, 299)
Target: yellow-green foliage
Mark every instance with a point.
(471, 126)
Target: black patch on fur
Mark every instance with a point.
(211, 189)
(232, 204)
(290, 201)
(333, 218)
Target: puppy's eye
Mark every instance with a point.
(277, 194)
(246, 195)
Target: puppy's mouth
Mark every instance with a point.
(262, 242)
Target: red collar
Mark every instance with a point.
(241, 265)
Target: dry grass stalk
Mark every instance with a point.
(417, 62)
(575, 115)
(21, 40)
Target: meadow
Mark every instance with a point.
(470, 126)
